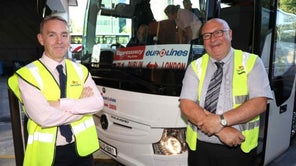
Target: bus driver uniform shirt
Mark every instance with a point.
(257, 86)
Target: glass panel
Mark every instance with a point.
(111, 30)
(285, 41)
(240, 18)
(284, 56)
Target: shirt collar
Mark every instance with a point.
(49, 63)
(227, 58)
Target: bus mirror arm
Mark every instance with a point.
(116, 45)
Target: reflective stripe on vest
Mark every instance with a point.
(83, 126)
(243, 64)
(42, 137)
(35, 72)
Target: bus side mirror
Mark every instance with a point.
(124, 10)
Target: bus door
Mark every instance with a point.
(279, 45)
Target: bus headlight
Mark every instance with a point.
(172, 142)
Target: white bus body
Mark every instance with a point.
(136, 121)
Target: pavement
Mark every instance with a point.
(7, 155)
(6, 142)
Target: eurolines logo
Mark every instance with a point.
(164, 52)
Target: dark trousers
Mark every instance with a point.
(67, 156)
(208, 154)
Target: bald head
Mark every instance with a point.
(215, 21)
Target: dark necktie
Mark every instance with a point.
(214, 89)
(64, 129)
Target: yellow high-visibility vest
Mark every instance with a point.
(243, 64)
(41, 143)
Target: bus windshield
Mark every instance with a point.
(146, 68)
(123, 18)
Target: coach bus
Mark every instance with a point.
(141, 123)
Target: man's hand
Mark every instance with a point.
(86, 92)
(231, 136)
(210, 124)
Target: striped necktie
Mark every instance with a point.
(64, 129)
(214, 89)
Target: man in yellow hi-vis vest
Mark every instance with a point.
(59, 102)
(223, 94)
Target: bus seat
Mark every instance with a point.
(153, 28)
(166, 31)
(106, 57)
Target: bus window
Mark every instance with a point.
(113, 31)
(76, 39)
(76, 46)
(285, 42)
(240, 24)
(284, 58)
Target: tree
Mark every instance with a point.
(288, 6)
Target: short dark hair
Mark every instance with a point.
(49, 18)
(171, 9)
(187, 1)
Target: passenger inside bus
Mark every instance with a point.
(142, 37)
(187, 22)
(188, 5)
